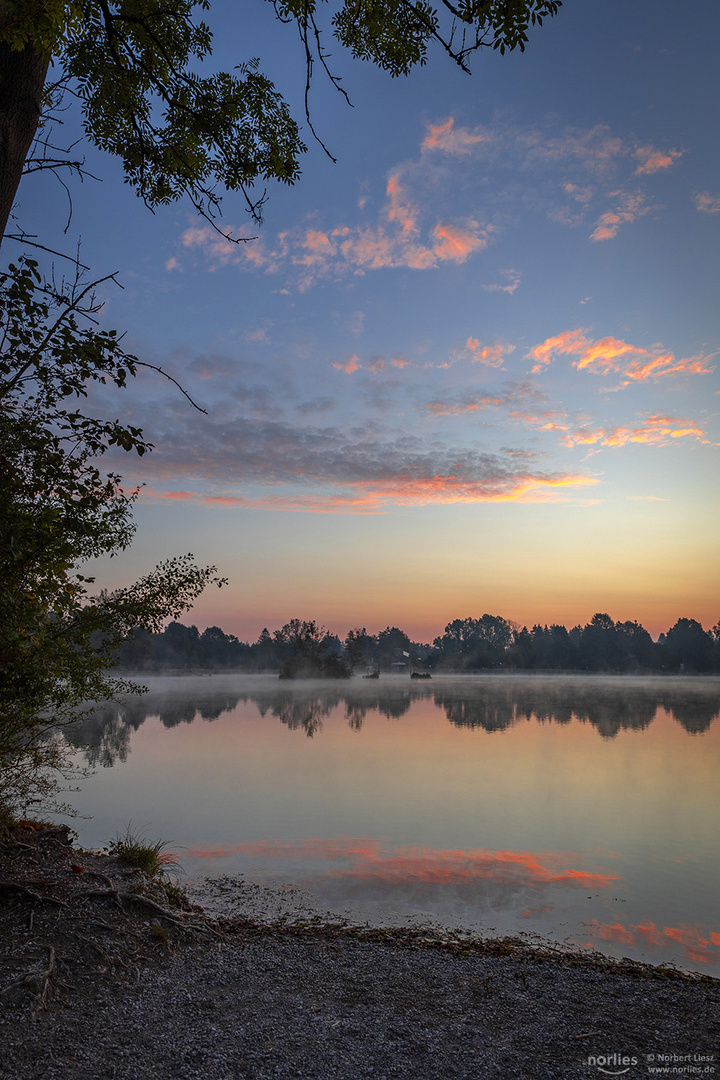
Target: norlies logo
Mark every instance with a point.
(612, 1064)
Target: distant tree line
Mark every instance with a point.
(304, 648)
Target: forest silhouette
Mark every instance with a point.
(304, 648)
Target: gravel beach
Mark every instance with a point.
(100, 977)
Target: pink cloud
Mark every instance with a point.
(652, 160)
(579, 194)
(707, 203)
(630, 206)
(455, 244)
(448, 139)
(348, 366)
(490, 355)
(399, 209)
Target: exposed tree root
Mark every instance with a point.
(37, 980)
(174, 919)
(42, 898)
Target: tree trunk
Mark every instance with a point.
(22, 77)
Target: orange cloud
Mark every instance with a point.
(630, 206)
(431, 866)
(448, 139)
(652, 160)
(653, 430)
(310, 504)
(611, 354)
(697, 944)
(400, 210)
(455, 244)
(707, 203)
(376, 495)
(422, 491)
(569, 342)
(605, 353)
(490, 355)
(353, 364)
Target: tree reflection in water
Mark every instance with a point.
(492, 703)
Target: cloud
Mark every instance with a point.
(630, 206)
(597, 149)
(610, 354)
(357, 322)
(476, 401)
(568, 342)
(512, 278)
(652, 160)
(472, 404)
(432, 214)
(348, 366)
(654, 430)
(491, 355)
(275, 464)
(448, 139)
(579, 194)
(707, 203)
(398, 239)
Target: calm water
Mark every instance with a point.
(583, 810)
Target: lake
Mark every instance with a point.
(583, 810)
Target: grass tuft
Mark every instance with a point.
(135, 850)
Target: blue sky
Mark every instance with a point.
(470, 367)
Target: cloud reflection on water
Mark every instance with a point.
(697, 944)
(367, 862)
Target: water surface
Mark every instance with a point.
(583, 810)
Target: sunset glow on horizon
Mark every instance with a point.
(472, 367)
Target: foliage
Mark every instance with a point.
(689, 647)
(395, 34)
(57, 509)
(308, 652)
(475, 643)
(359, 646)
(131, 63)
(467, 644)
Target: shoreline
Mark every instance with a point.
(108, 979)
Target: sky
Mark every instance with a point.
(471, 367)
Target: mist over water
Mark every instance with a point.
(582, 809)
